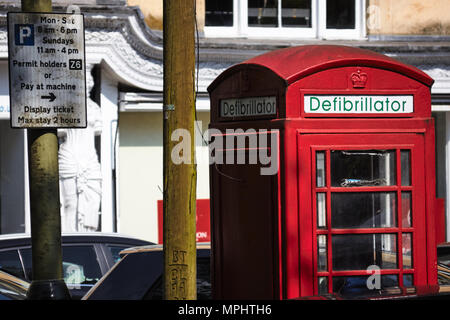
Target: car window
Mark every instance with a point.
(10, 263)
(115, 250)
(80, 264)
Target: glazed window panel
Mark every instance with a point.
(320, 169)
(358, 284)
(321, 211)
(359, 251)
(263, 13)
(405, 159)
(363, 210)
(407, 250)
(296, 13)
(322, 285)
(406, 209)
(322, 255)
(363, 168)
(219, 13)
(408, 280)
(340, 14)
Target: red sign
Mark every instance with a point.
(203, 233)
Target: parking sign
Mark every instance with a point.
(24, 34)
(46, 70)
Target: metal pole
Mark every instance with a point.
(179, 179)
(48, 283)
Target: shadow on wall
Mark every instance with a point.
(145, 129)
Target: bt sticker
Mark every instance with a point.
(24, 34)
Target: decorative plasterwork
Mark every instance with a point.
(441, 76)
(128, 49)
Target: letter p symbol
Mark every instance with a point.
(24, 34)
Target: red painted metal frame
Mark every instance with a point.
(309, 144)
(288, 74)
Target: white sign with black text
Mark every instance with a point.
(248, 107)
(47, 85)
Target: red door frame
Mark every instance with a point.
(308, 144)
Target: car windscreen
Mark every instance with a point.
(80, 264)
(131, 278)
(10, 263)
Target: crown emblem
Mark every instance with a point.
(359, 79)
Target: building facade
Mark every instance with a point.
(124, 58)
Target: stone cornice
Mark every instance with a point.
(119, 38)
(123, 42)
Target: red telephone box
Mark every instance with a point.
(351, 204)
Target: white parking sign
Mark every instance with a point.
(47, 85)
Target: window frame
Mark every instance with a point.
(329, 231)
(317, 30)
(308, 145)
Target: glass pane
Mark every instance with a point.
(359, 284)
(263, 13)
(359, 251)
(321, 210)
(80, 265)
(405, 167)
(322, 285)
(219, 13)
(407, 250)
(408, 280)
(320, 169)
(10, 263)
(363, 210)
(362, 168)
(341, 14)
(296, 13)
(115, 251)
(322, 253)
(406, 210)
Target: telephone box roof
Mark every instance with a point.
(294, 63)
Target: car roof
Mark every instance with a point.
(135, 273)
(18, 239)
(159, 247)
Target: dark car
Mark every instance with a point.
(138, 275)
(443, 253)
(86, 257)
(12, 288)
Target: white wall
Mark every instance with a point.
(108, 103)
(140, 172)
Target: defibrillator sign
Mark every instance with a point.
(358, 104)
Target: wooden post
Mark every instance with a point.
(46, 248)
(179, 179)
